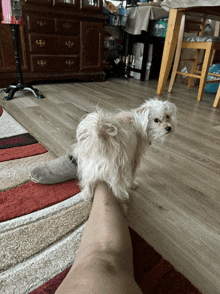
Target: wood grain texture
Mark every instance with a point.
(176, 207)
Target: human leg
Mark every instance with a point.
(104, 262)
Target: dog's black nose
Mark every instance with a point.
(168, 129)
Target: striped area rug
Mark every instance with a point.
(41, 226)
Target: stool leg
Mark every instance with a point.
(217, 98)
(213, 55)
(195, 62)
(144, 61)
(175, 67)
(169, 48)
(178, 54)
(205, 69)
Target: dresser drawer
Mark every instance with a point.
(49, 2)
(46, 44)
(67, 27)
(53, 63)
(41, 24)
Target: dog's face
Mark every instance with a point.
(160, 117)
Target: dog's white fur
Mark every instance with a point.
(109, 146)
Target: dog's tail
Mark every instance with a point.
(107, 135)
(107, 129)
(97, 128)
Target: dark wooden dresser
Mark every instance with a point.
(61, 40)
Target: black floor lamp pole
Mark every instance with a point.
(20, 86)
(14, 31)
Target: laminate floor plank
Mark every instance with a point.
(35, 129)
(81, 97)
(66, 112)
(61, 131)
(197, 148)
(124, 95)
(176, 207)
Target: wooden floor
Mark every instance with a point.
(177, 206)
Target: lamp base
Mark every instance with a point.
(20, 86)
(12, 89)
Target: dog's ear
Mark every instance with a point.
(173, 107)
(141, 116)
(170, 106)
(143, 108)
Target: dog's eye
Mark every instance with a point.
(156, 120)
(167, 117)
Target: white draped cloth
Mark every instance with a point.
(168, 4)
(139, 17)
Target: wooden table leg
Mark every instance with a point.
(169, 47)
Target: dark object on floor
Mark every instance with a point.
(113, 52)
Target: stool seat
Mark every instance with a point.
(211, 39)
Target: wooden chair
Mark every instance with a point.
(199, 42)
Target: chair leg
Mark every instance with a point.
(175, 67)
(195, 62)
(212, 58)
(205, 69)
(217, 98)
(177, 55)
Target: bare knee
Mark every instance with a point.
(102, 262)
(100, 273)
(105, 275)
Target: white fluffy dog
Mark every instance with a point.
(109, 146)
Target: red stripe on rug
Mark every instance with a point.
(20, 152)
(1, 111)
(17, 141)
(31, 197)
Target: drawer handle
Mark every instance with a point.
(42, 63)
(69, 62)
(41, 43)
(41, 23)
(69, 44)
(67, 25)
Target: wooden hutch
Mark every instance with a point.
(61, 40)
